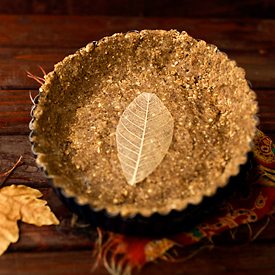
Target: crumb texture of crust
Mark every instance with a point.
(81, 103)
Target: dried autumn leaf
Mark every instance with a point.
(9, 232)
(144, 134)
(21, 203)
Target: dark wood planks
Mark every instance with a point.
(189, 8)
(19, 61)
(251, 259)
(76, 31)
(15, 106)
(27, 42)
(48, 263)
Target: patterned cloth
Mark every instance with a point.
(122, 254)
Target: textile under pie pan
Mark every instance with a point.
(80, 132)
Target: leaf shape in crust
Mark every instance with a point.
(144, 134)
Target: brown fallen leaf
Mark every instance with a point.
(20, 202)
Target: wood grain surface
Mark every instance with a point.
(27, 42)
(160, 8)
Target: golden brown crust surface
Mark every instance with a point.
(82, 100)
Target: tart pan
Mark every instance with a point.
(138, 225)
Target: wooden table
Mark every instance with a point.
(27, 42)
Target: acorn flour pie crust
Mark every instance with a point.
(79, 106)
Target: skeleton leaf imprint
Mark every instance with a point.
(144, 134)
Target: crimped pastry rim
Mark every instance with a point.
(194, 200)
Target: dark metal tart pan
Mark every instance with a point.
(157, 224)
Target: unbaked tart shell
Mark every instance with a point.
(78, 108)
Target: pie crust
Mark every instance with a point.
(79, 106)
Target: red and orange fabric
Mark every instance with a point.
(122, 254)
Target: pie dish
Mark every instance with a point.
(77, 112)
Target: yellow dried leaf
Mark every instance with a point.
(21, 203)
(9, 232)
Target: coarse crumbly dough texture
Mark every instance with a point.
(83, 98)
